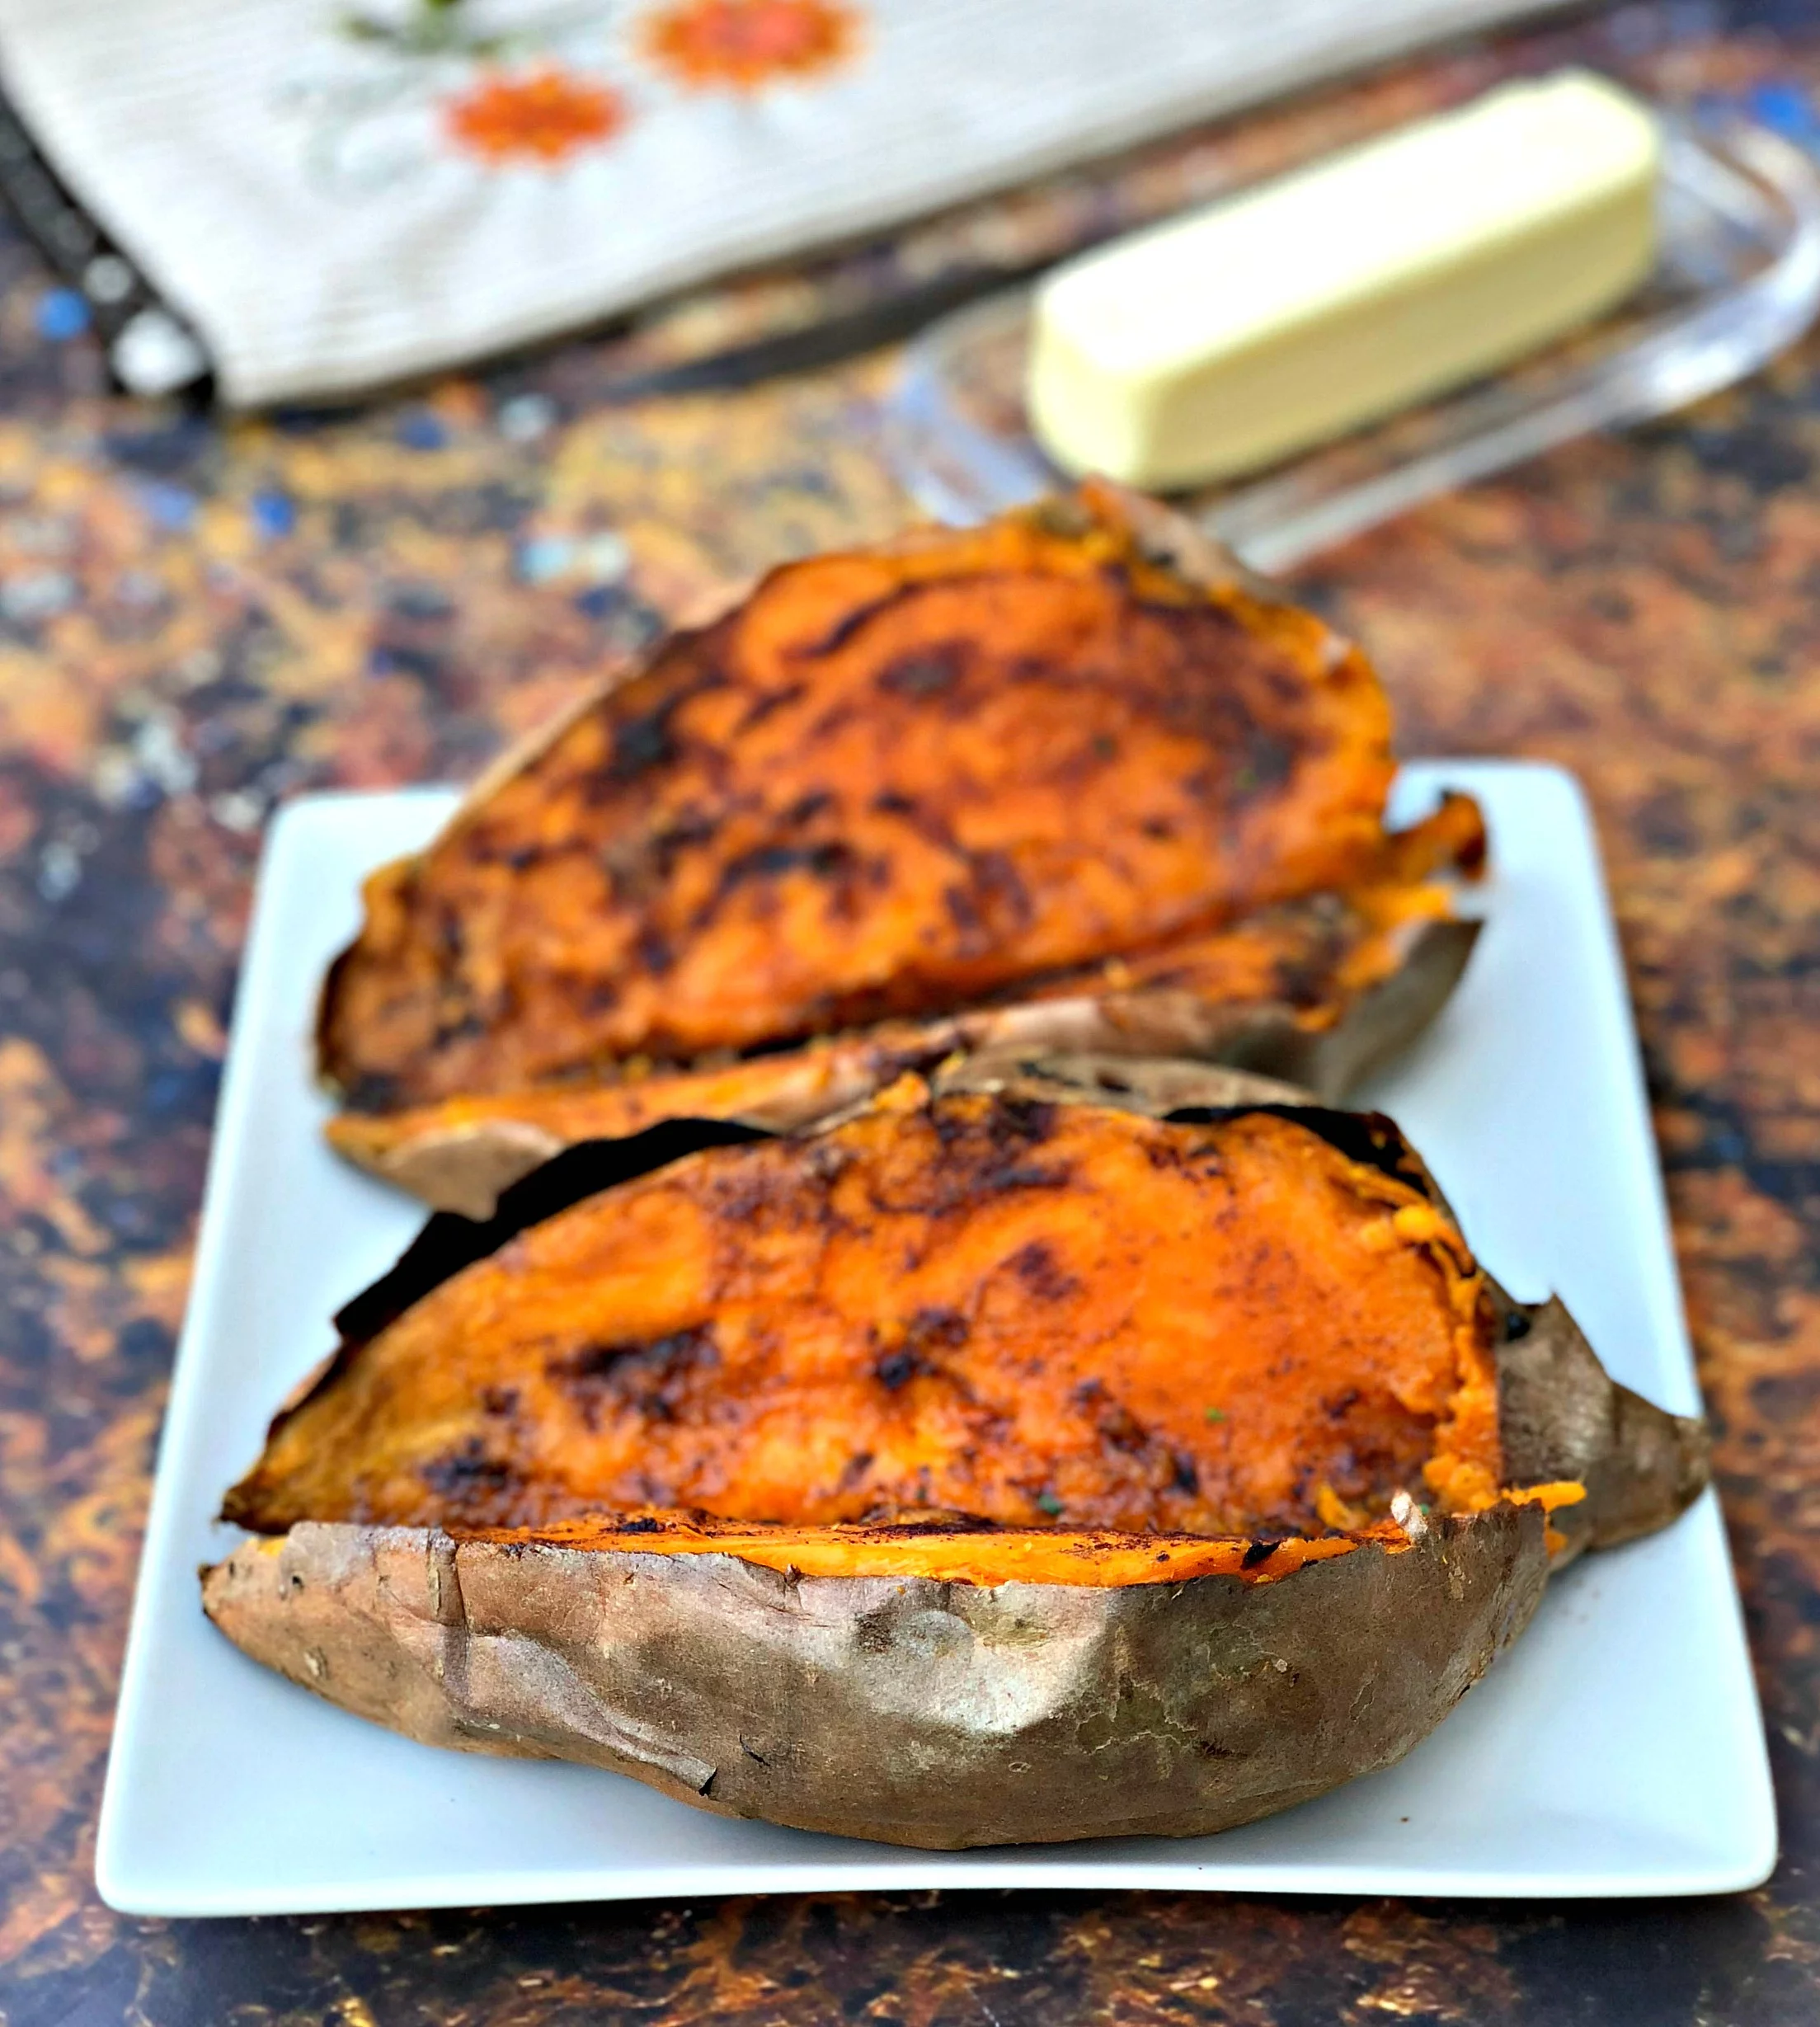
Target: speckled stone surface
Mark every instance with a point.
(197, 619)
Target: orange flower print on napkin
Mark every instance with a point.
(537, 116)
(742, 45)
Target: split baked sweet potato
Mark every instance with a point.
(1043, 1452)
(1057, 760)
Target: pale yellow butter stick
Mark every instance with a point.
(1224, 340)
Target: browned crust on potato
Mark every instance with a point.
(935, 1714)
(649, 880)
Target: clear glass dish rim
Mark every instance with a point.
(1744, 176)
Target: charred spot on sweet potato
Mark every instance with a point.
(811, 1330)
(935, 1328)
(1037, 1267)
(469, 1478)
(917, 1350)
(889, 783)
(649, 1378)
(924, 673)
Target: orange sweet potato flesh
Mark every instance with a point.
(1045, 1315)
(956, 1552)
(889, 783)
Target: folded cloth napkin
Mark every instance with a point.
(339, 195)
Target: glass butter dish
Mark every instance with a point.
(1737, 281)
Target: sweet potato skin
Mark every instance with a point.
(1562, 1416)
(934, 1715)
(888, 784)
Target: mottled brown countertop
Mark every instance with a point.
(199, 618)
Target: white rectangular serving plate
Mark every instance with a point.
(1617, 1750)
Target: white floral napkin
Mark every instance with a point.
(336, 195)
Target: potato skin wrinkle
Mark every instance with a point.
(888, 784)
(900, 1708)
(980, 1302)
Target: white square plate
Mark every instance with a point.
(1617, 1750)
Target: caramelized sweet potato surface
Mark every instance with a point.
(889, 783)
(1043, 1314)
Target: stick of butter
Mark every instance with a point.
(1287, 314)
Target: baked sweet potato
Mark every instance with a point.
(1066, 1449)
(1055, 758)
